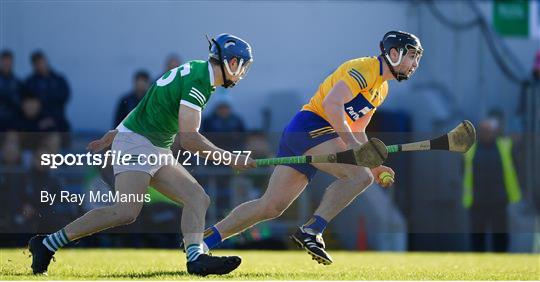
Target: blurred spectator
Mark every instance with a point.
(18, 215)
(50, 88)
(258, 143)
(51, 142)
(10, 88)
(10, 150)
(32, 120)
(172, 62)
(490, 184)
(141, 82)
(226, 128)
(40, 178)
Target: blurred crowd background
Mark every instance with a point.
(71, 71)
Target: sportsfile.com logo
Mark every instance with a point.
(112, 157)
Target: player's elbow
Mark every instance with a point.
(359, 129)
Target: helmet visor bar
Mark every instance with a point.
(244, 67)
(242, 70)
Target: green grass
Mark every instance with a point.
(123, 264)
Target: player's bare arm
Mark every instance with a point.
(194, 141)
(102, 143)
(333, 106)
(360, 125)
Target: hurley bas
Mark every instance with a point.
(93, 197)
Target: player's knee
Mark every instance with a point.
(361, 179)
(126, 215)
(273, 210)
(127, 219)
(368, 178)
(199, 200)
(205, 200)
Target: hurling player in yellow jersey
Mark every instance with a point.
(335, 119)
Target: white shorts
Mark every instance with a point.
(140, 148)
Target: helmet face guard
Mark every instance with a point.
(241, 71)
(400, 76)
(403, 43)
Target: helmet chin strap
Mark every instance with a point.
(227, 83)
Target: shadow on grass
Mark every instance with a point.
(154, 274)
(146, 274)
(141, 275)
(261, 275)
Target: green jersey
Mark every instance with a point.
(156, 115)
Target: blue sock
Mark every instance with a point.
(193, 252)
(212, 237)
(56, 240)
(317, 224)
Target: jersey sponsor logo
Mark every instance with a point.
(359, 78)
(358, 107)
(197, 95)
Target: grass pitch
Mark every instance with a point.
(150, 264)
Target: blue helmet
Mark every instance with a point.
(224, 48)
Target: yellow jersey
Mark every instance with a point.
(363, 76)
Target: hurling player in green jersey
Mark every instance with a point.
(171, 106)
